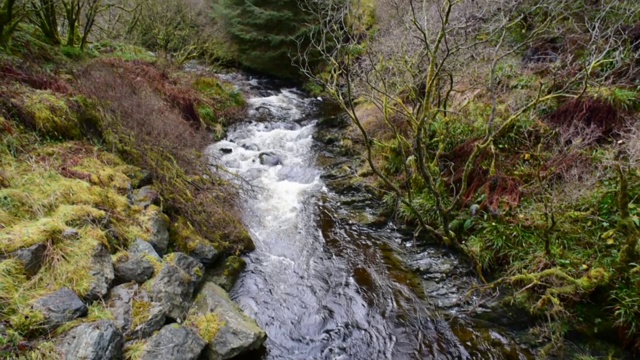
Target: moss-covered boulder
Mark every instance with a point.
(48, 113)
(156, 225)
(222, 324)
(175, 283)
(186, 239)
(226, 273)
(134, 312)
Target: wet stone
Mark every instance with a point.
(133, 268)
(101, 272)
(269, 159)
(134, 312)
(158, 225)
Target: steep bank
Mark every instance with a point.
(113, 233)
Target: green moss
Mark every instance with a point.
(44, 350)
(15, 296)
(184, 237)
(140, 311)
(207, 325)
(50, 114)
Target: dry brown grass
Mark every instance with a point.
(145, 119)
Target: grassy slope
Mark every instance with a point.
(57, 174)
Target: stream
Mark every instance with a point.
(326, 286)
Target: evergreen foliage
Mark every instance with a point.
(265, 31)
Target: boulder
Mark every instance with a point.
(133, 268)
(189, 241)
(235, 332)
(143, 248)
(144, 197)
(174, 285)
(99, 340)
(134, 312)
(205, 253)
(102, 273)
(269, 159)
(251, 147)
(140, 177)
(31, 258)
(173, 342)
(60, 307)
(157, 224)
(226, 273)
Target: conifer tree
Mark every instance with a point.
(265, 32)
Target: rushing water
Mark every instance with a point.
(324, 287)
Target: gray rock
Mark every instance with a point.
(70, 234)
(144, 197)
(238, 332)
(205, 253)
(133, 268)
(173, 287)
(134, 312)
(60, 307)
(99, 340)
(101, 272)
(158, 225)
(143, 248)
(31, 257)
(251, 147)
(174, 342)
(269, 159)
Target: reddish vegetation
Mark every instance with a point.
(501, 190)
(578, 115)
(561, 164)
(69, 157)
(457, 158)
(36, 80)
(182, 98)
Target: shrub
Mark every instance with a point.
(143, 121)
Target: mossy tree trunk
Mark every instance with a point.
(46, 18)
(72, 10)
(6, 21)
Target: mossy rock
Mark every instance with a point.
(226, 274)
(187, 240)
